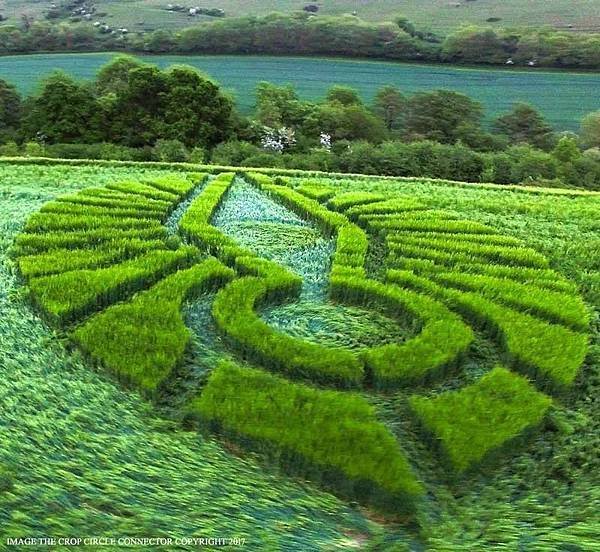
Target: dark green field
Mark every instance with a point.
(564, 98)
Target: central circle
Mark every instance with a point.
(336, 325)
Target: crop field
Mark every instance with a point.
(564, 98)
(438, 15)
(358, 363)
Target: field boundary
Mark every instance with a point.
(214, 169)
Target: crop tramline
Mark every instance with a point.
(101, 265)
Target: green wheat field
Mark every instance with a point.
(305, 361)
(563, 98)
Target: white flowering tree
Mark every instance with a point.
(278, 140)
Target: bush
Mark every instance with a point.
(233, 153)
(33, 149)
(172, 151)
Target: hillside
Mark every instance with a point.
(278, 317)
(437, 15)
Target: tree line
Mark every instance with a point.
(136, 111)
(308, 34)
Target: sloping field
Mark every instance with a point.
(425, 350)
(563, 98)
(437, 15)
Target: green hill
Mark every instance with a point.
(437, 15)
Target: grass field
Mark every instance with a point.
(479, 304)
(437, 15)
(564, 98)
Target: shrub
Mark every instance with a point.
(172, 151)
(320, 434)
(472, 423)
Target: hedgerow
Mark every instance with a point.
(63, 260)
(142, 341)
(552, 352)
(320, 434)
(473, 423)
(442, 339)
(71, 295)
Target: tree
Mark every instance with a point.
(178, 104)
(10, 110)
(344, 95)
(389, 105)
(352, 122)
(113, 77)
(567, 150)
(278, 106)
(137, 113)
(524, 124)
(439, 115)
(590, 130)
(196, 111)
(64, 111)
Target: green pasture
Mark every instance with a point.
(437, 15)
(563, 98)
